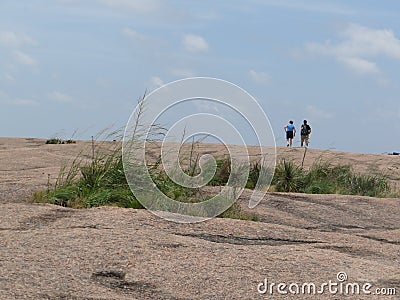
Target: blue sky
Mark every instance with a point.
(69, 65)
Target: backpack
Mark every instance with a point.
(305, 129)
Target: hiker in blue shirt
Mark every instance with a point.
(290, 133)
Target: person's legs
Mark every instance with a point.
(306, 140)
(302, 140)
(289, 135)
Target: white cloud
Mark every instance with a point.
(359, 65)
(384, 114)
(366, 41)
(260, 77)
(59, 97)
(69, 1)
(183, 73)
(307, 5)
(139, 6)
(15, 40)
(25, 102)
(20, 102)
(316, 113)
(194, 43)
(156, 82)
(356, 43)
(8, 77)
(208, 16)
(130, 33)
(206, 106)
(142, 40)
(24, 58)
(103, 82)
(360, 41)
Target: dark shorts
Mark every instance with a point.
(289, 135)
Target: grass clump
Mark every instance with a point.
(175, 191)
(236, 212)
(56, 141)
(101, 181)
(222, 172)
(288, 177)
(321, 178)
(324, 178)
(368, 185)
(254, 174)
(89, 183)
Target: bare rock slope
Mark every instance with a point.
(51, 252)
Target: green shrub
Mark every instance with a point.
(254, 174)
(320, 187)
(173, 190)
(259, 175)
(323, 178)
(54, 141)
(222, 172)
(368, 185)
(288, 177)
